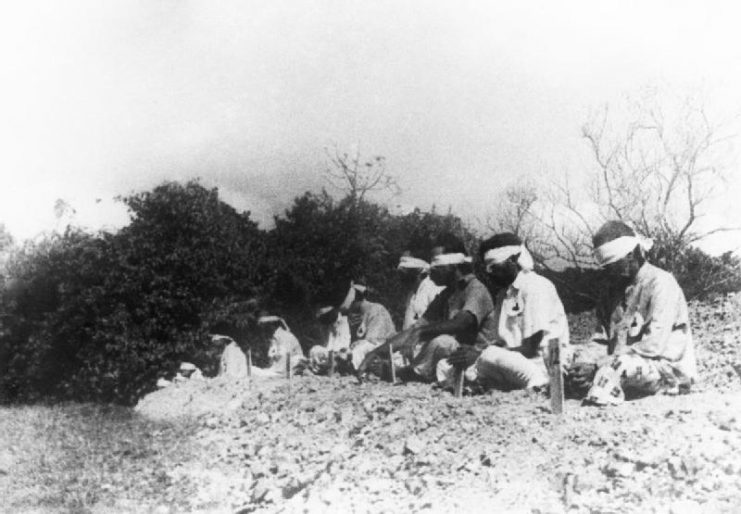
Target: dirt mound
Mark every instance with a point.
(197, 397)
(334, 446)
(716, 328)
(331, 445)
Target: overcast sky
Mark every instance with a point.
(100, 98)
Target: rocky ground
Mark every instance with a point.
(332, 445)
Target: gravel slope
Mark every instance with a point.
(331, 445)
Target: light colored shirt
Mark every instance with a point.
(337, 335)
(652, 320)
(469, 295)
(530, 304)
(233, 362)
(418, 301)
(371, 321)
(282, 343)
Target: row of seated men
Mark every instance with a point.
(453, 324)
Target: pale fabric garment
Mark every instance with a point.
(627, 372)
(282, 343)
(650, 324)
(468, 295)
(418, 302)
(408, 262)
(272, 319)
(370, 326)
(338, 338)
(338, 335)
(428, 356)
(233, 361)
(449, 259)
(529, 305)
(616, 249)
(501, 254)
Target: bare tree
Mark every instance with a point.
(514, 210)
(658, 172)
(356, 177)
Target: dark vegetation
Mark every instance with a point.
(102, 316)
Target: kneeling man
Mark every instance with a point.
(454, 317)
(646, 327)
(281, 344)
(369, 325)
(527, 314)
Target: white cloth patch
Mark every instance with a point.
(407, 262)
(272, 319)
(501, 254)
(613, 251)
(449, 259)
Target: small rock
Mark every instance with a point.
(487, 459)
(620, 469)
(676, 469)
(259, 469)
(292, 487)
(395, 462)
(414, 486)
(233, 405)
(345, 415)
(262, 487)
(588, 480)
(413, 445)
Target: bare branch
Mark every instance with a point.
(357, 179)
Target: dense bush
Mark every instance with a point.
(321, 240)
(100, 316)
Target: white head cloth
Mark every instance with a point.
(323, 310)
(501, 254)
(272, 319)
(349, 298)
(616, 249)
(407, 262)
(449, 259)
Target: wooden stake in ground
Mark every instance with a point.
(556, 373)
(391, 363)
(330, 373)
(460, 376)
(249, 367)
(289, 371)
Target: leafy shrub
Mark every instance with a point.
(101, 316)
(321, 240)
